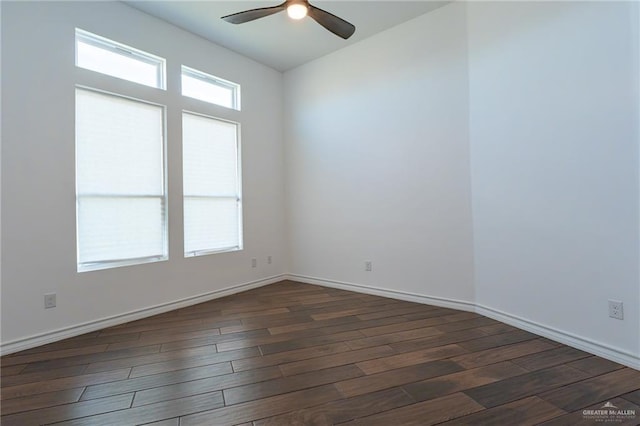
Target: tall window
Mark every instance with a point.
(120, 184)
(212, 189)
(121, 200)
(121, 203)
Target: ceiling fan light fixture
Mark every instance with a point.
(297, 11)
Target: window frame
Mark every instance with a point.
(115, 263)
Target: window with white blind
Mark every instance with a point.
(211, 183)
(120, 181)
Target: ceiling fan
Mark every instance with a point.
(297, 9)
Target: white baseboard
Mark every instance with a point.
(588, 345)
(614, 354)
(392, 294)
(87, 327)
(582, 343)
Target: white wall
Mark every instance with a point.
(554, 153)
(542, 99)
(378, 161)
(38, 209)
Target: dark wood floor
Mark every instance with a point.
(296, 354)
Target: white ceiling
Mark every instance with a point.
(276, 40)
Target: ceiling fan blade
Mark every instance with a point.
(336, 25)
(250, 15)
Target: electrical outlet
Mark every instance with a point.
(615, 309)
(368, 266)
(269, 260)
(50, 300)
(254, 262)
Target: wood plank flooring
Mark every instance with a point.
(298, 354)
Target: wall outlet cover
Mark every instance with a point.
(49, 300)
(616, 309)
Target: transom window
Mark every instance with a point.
(105, 56)
(205, 87)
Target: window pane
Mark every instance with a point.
(198, 85)
(212, 206)
(119, 148)
(119, 180)
(210, 154)
(211, 224)
(116, 228)
(108, 57)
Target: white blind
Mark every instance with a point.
(212, 205)
(119, 180)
